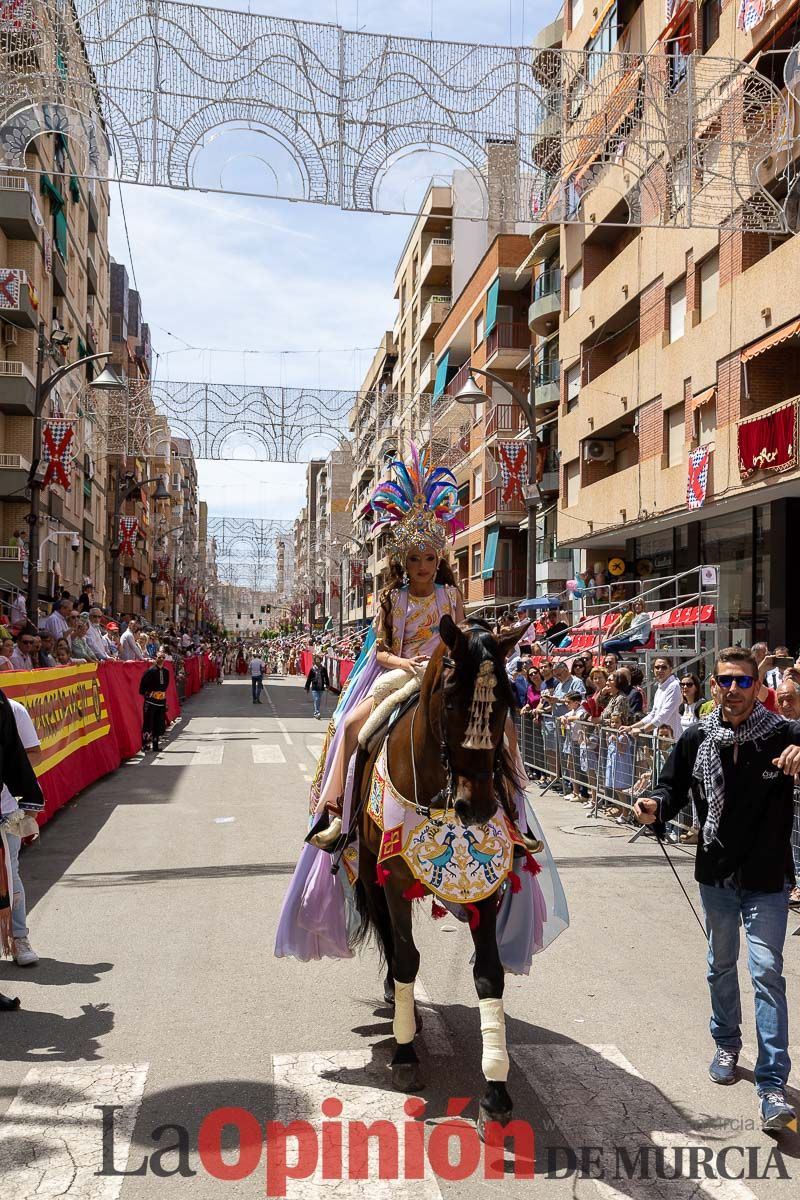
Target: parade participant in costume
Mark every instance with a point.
(153, 686)
(317, 914)
(421, 507)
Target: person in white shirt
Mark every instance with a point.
(24, 954)
(21, 655)
(257, 677)
(665, 709)
(128, 646)
(94, 634)
(19, 610)
(774, 676)
(58, 621)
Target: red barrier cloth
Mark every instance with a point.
(345, 667)
(768, 443)
(69, 710)
(191, 665)
(306, 662)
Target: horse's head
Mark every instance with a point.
(469, 700)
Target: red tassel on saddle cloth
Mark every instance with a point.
(417, 891)
(531, 865)
(381, 875)
(474, 915)
(515, 881)
(437, 910)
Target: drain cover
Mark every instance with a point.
(599, 829)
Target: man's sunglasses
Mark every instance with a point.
(743, 682)
(26, 641)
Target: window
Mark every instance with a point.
(711, 11)
(573, 473)
(674, 434)
(709, 285)
(577, 12)
(706, 423)
(679, 49)
(476, 560)
(479, 327)
(463, 495)
(573, 386)
(477, 483)
(574, 290)
(604, 40)
(678, 175)
(677, 309)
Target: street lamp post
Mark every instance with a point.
(153, 582)
(106, 381)
(470, 393)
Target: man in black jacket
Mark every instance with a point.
(318, 682)
(737, 766)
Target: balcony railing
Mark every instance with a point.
(509, 584)
(547, 372)
(495, 504)
(547, 550)
(459, 379)
(14, 462)
(504, 418)
(548, 284)
(508, 336)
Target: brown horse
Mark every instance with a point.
(427, 760)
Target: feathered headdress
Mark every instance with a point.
(422, 505)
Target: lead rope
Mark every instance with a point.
(680, 884)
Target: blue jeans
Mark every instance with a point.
(317, 698)
(258, 684)
(19, 928)
(620, 643)
(764, 916)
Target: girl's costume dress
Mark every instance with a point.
(317, 918)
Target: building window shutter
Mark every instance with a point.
(441, 375)
(60, 233)
(677, 309)
(709, 286)
(573, 386)
(490, 555)
(492, 297)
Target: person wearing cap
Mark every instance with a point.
(111, 639)
(94, 634)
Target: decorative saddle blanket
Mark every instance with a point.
(462, 865)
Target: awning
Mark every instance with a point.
(524, 266)
(601, 17)
(703, 398)
(491, 307)
(772, 339)
(48, 188)
(490, 555)
(441, 375)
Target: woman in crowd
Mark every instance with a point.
(6, 650)
(692, 701)
(534, 692)
(619, 746)
(78, 626)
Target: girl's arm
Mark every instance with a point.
(383, 641)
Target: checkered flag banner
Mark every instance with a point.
(513, 462)
(128, 528)
(56, 452)
(752, 13)
(698, 477)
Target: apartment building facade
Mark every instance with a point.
(679, 352)
(54, 276)
(333, 526)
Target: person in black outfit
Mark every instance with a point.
(737, 765)
(153, 686)
(18, 775)
(317, 682)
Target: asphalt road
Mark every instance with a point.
(153, 902)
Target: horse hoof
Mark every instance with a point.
(486, 1117)
(406, 1077)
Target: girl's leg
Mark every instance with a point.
(332, 792)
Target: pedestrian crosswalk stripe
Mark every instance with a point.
(268, 754)
(208, 756)
(51, 1140)
(598, 1099)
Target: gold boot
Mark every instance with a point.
(532, 845)
(327, 837)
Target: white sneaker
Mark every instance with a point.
(24, 953)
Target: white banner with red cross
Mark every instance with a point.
(9, 288)
(513, 458)
(56, 453)
(128, 529)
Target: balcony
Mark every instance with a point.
(427, 373)
(14, 471)
(18, 302)
(16, 209)
(91, 337)
(17, 389)
(437, 262)
(547, 383)
(94, 219)
(459, 379)
(505, 585)
(506, 344)
(496, 506)
(546, 143)
(433, 314)
(543, 314)
(505, 419)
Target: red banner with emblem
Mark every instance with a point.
(769, 443)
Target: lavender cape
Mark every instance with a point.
(318, 911)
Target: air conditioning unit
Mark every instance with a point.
(9, 335)
(598, 450)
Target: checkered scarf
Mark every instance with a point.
(708, 764)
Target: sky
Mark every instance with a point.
(244, 290)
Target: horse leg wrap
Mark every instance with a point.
(494, 1062)
(405, 1025)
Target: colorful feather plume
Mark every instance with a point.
(422, 504)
